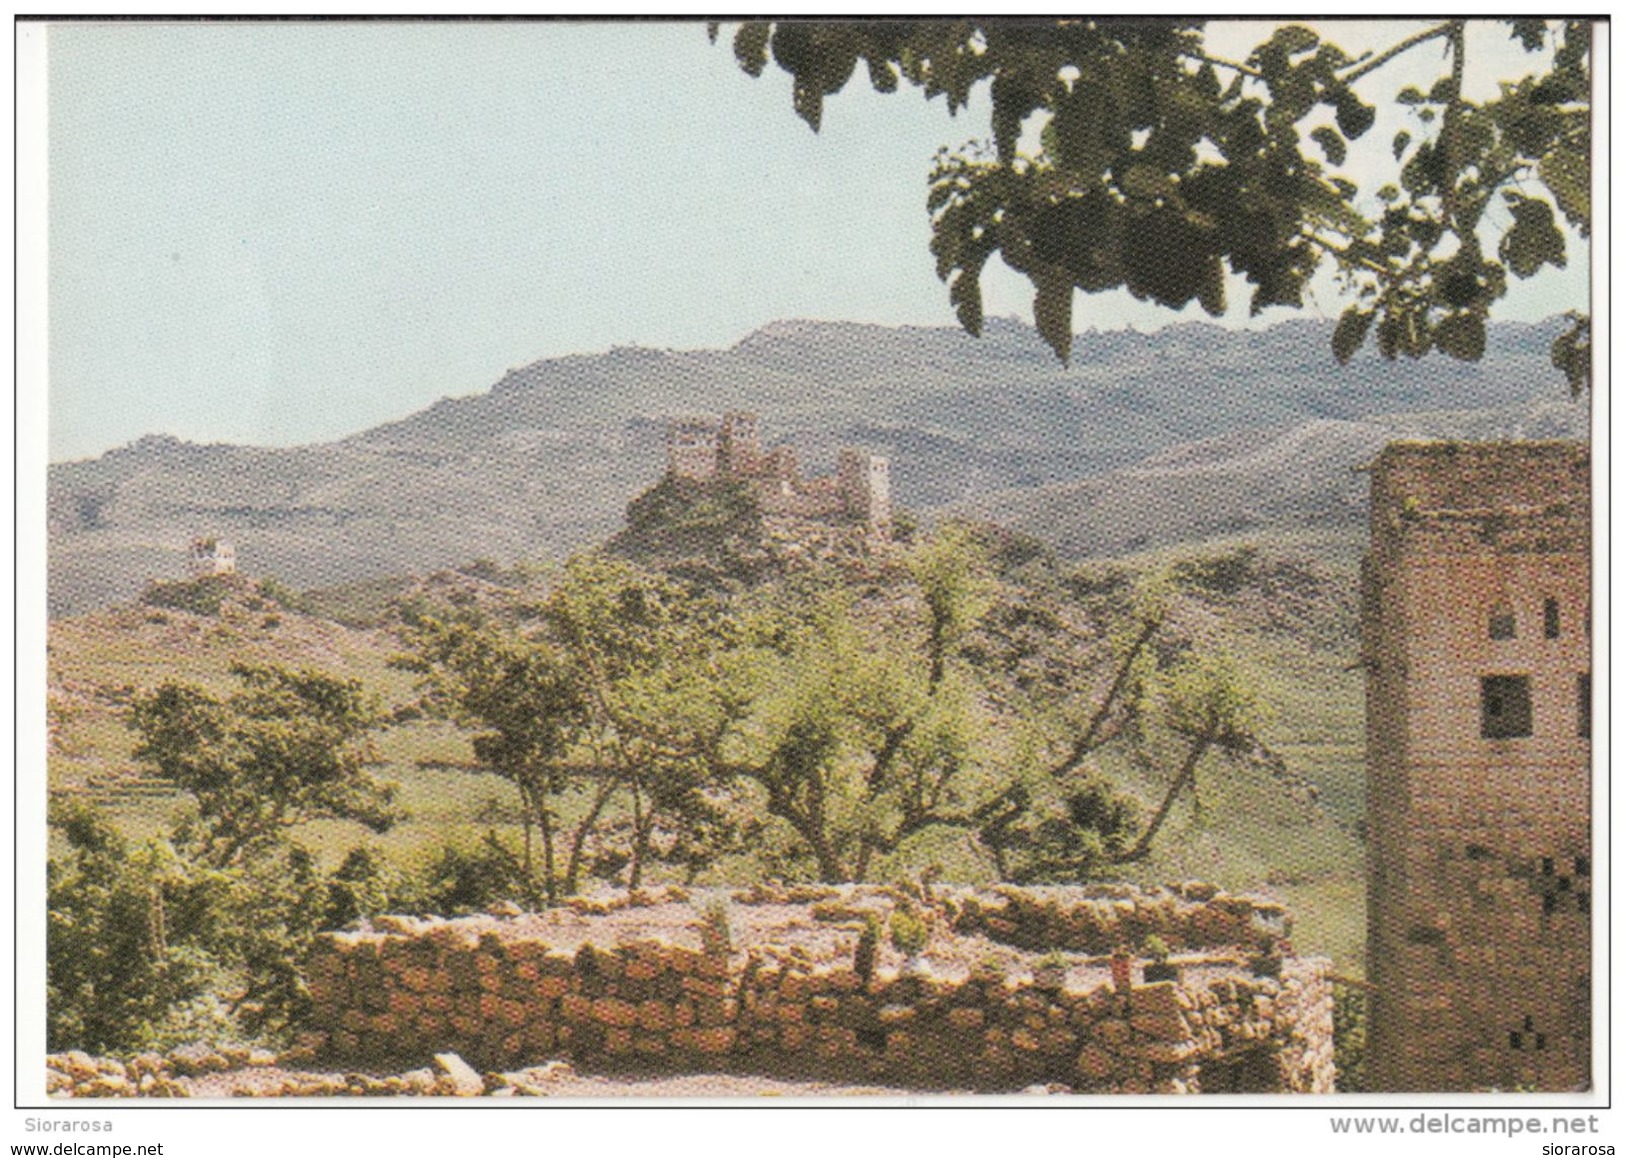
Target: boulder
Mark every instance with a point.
(456, 1077)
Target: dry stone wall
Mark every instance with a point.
(507, 995)
(1099, 918)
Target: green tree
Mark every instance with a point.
(1209, 703)
(868, 724)
(149, 945)
(516, 690)
(288, 748)
(199, 933)
(1161, 167)
(645, 651)
(117, 961)
(1079, 671)
(603, 687)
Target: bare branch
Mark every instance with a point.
(1219, 62)
(1403, 46)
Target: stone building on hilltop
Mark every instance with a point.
(701, 450)
(1476, 624)
(211, 556)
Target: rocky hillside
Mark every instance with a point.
(1261, 481)
(547, 459)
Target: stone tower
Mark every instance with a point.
(740, 445)
(1476, 610)
(691, 448)
(211, 556)
(864, 481)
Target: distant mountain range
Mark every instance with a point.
(1146, 439)
(1301, 477)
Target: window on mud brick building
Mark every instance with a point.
(1554, 622)
(1506, 713)
(1503, 623)
(1583, 702)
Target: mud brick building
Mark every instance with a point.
(701, 450)
(1476, 609)
(211, 556)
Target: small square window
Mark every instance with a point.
(1505, 710)
(1503, 624)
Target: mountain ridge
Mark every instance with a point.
(545, 460)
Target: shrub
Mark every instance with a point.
(149, 946)
(1348, 1039)
(863, 956)
(716, 928)
(201, 596)
(471, 880)
(1155, 948)
(1224, 573)
(282, 595)
(122, 938)
(360, 888)
(909, 932)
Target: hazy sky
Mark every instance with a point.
(280, 233)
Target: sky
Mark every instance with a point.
(285, 233)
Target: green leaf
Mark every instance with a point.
(1534, 239)
(1443, 91)
(809, 104)
(1078, 126)
(1013, 99)
(1530, 33)
(1402, 141)
(1461, 336)
(1388, 336)
(1272, 62)
(1567, 173)
(750, 45)
(965, 295)
(1210, 291)
(1571, 353)
(1411, 95)
(1353, 116)
(1144, 181)
(1052, 310)
(882, 74)
(1295, 38)
(1330, 143)
(1350, 333)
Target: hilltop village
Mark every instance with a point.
(705, 452)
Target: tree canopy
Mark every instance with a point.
(1160, 167)
(289, 748)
